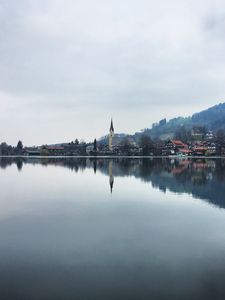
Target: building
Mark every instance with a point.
(197, 134)
(111, 135)
(211, 147)
(209, 135)
(173, 147)
(53, 150)
(32, 152)
(199, 150)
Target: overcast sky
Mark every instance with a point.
(67, 66)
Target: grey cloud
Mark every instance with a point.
(77, 60)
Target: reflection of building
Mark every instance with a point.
(111, 135)
(111, 177)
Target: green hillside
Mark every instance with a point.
(212, 118)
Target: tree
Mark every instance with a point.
(19, 146)
(183, 134)
(220, 139)
(95, 145)
(220, 134)
(200, 129)
(125, 146)
(76, 142)
(3, 148)
(146, 144)
(162, 122)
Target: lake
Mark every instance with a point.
(82, 228)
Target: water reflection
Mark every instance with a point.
(202, 178)
(111, 177)
(82, 228)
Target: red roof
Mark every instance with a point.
(185, 150)
(200, 149)
(178, 170)
(55, 148)
(199, 165)
(178, 143)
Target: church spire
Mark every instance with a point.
(111, 135)
(111, 126)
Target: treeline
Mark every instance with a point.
(6, 149)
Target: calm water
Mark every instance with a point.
(112, 229)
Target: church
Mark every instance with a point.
(111, 135)
(116, 141)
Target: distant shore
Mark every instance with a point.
(110, 157)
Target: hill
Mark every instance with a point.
(212, 118)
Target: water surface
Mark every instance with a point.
(112, 229)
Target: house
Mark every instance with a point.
(32, 152)
(53, 150)
(211, 148)
(197, 134)
(174, 147)
(209, 135)
(89, 149)
(199, 150)
(184, 152)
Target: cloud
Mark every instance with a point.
(83, 61)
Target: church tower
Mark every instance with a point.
(111, 135)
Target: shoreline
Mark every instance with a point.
(110, 156)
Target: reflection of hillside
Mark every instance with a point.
(200, 177)
(204, 180)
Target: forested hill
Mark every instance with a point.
(212, 118)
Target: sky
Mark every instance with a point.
(68, 66)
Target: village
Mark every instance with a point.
(199, 144)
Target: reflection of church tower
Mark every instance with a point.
(111, 135)
(111, 178)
